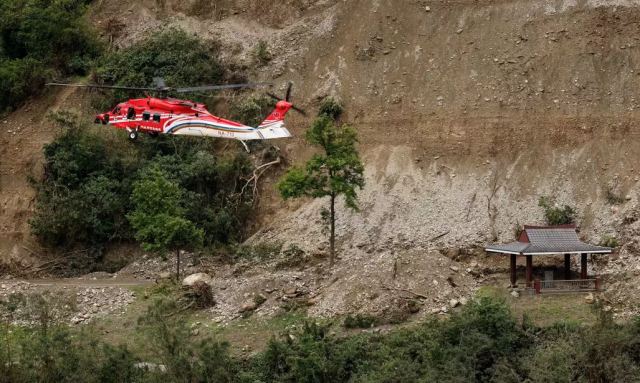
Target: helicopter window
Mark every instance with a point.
(146, 116)
(131, 113)
(116, 110)
(156, 117)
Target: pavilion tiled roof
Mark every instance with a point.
(541, 240)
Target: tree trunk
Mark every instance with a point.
(332, 238)
(178, 265)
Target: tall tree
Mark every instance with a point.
(334, 172)
(159, 218)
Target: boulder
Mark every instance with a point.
(248, 306)
(454, 303)
(515, 294)
(589, 299)
(197, 277)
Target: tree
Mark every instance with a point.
(158, 217)
(336, 171)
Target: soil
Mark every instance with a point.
(467, 112)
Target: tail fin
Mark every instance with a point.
(273, 125)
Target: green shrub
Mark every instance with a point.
(85, 192)
(331, 108)
(253, 110)
(609, 241)
(556, 215)
(360, 321)
(261, 251)
(292, 256)
(39, 39)
(614, 198)
(261, 53)
(181, 59)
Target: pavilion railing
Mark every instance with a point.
(571, 285)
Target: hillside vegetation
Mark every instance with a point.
(85, 195)
(482, 343)
(40, 40)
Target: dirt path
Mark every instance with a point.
(88, 283)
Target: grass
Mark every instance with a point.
(544, 310)
(251, 334)
(244, 334)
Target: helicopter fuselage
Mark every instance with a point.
(183, 117)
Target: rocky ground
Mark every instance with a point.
(72, 302)
(383, 286)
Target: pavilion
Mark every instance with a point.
(548, 240)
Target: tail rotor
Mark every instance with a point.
(287, 98)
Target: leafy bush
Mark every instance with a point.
(40, 38)
(556, 215)
(179, 58)
(260, 251)
(331, 108)
(85, 193)
(253, 110)
(292, 256)
(614, 198)
(360, 321)
(609, 241)
(261, 53)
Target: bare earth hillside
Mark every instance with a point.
(467, 112)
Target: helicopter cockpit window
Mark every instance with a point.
(116, 110)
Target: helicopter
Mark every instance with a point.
(165, 115)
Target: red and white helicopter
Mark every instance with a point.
(183, 117)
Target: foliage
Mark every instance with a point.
(331, 108)
(292, 256)
(556, 215)
(253, 110)
(337, 171)
(179, 58)
(360, 321)
(261, 53)
(83, 196)
(38, 39)
(614, 198)
(609, 241)
(260, 251)
(481, 343)
(86, 191)
(158, 217)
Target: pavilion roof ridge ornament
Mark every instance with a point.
(547, 240)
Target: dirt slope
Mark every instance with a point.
(467, 112)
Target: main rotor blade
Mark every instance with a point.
(273, 96)
(299, 110)
(219, 87)
(288, 94)
(100, 86)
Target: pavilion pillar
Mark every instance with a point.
(567, 266)
(583, 266)
(513, 270)
(529, 269)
